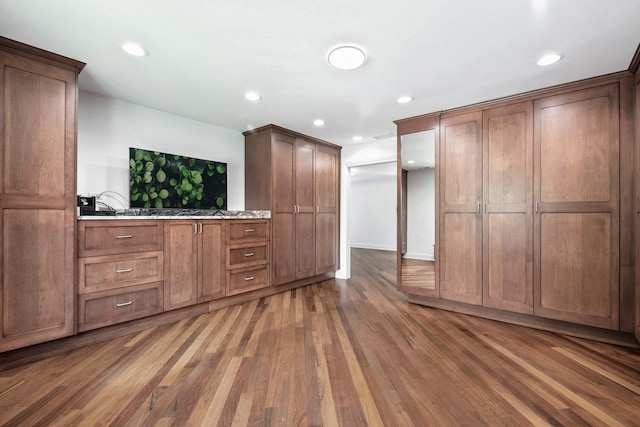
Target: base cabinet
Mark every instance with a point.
(193, 263)
(120, 271)
(248, 254)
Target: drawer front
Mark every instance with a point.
(247, 279)
(247, 255)
(241, 231)
(114, 237)
(118, 271)
(102, 309)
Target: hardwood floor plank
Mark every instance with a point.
(336, 353)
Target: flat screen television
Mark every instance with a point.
(162, 180)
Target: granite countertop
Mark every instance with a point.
(142, 213)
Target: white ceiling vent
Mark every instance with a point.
(385, 135)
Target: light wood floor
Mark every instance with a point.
(339, 353)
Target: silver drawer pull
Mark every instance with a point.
(124, 236)
(125, 270)
(249, 254)
(248, 278)
(122, 304)
(249, 230)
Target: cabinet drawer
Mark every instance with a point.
(247, 255)
(247, 279)
(118, 271)
(108, 237)
(242, 231)
(100, 309)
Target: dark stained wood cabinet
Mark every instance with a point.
(194, 266)
(460, 208)
(577, 231)
(534, 197)
(297, 178)
(38, 194)
(247, 256)
(508, 208)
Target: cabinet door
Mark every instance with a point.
(460, 208)
(508, 208)
(283, 223)
(327, 181)
(211, 259)
(37, 204)
(180, 264)
(304, 165)
(576, 140)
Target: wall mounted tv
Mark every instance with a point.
(161, 180)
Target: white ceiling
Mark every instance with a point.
(205, 54)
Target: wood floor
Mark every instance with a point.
(418, 273)
(339, 353)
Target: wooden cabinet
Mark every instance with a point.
(247, 256)
(508, 208)
(302, 192)
(120, 271)
(532, 193)
(37, 196)
(193, 262)
(460, 208)
(576, 140)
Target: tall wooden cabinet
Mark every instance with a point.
(533, 192)
(37, 194)
(297, 178)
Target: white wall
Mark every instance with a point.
(373, 213)
(421, 213)
(108, 127)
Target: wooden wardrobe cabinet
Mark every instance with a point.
(38, 194)
(297, 178)
(530, 197)
(194, 266)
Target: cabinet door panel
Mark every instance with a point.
(284, 248)
(304, 176)
(575, 268)
(37, 292)
(327, 177)
(508, 210)
(181, 264)
(460, 208)
(212, 269)
(577, 227)
(460, 267)
(282, 169)
(305, 245)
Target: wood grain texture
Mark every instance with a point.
(337, 353)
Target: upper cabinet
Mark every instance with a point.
(297, 178)
(37, 194)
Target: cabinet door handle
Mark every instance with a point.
(537, 206)
(124, 236)
(124, 270)
(317, 209)
(249, 230)
(200, 228)
(248, 278)
(478, 209)
(295, 211)
(122, 304)
(249, 254)
(195, 228)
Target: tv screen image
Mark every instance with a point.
(162, 180)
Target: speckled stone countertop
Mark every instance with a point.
(141, 213)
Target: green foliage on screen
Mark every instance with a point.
(161, 180)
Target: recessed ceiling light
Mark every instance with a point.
(134, 49)
(346, 57)
(404, 99)
(411, 162)
(549, 59)
(252, 96)
(318, 122)
(357, 138)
